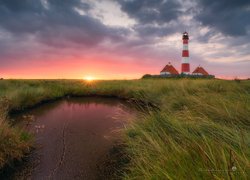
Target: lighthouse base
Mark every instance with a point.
(185, 68)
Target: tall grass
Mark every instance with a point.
(14, 143)
(200, 130)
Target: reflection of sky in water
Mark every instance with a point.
(77, 131)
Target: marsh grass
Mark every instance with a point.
(14, 143)
(199, 131)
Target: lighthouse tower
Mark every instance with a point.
(185, 67)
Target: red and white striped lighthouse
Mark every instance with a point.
(185, 67)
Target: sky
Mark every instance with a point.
(121, 39)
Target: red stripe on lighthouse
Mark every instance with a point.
(185, 53)
(185, 67)
(185, 41)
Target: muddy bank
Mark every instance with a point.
(73, 137)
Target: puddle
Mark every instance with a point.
(72, 136)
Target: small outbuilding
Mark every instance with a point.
(200, 71)
(169, 70)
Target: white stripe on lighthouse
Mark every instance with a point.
(185, 60)
(185, 47)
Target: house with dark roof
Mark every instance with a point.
(169, 70)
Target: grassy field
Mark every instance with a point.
(201, 130)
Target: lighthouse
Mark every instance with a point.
(185, 67)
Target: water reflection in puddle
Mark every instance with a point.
(72, 136)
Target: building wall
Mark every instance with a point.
(164, 73)
(199, 74)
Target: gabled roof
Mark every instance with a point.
(200, 70)
(169, 68)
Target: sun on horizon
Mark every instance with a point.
(89, 78)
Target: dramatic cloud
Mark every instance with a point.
(54, 20)
(228, 16)
(157, 11)
(76, 36)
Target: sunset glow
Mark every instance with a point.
(89, 78)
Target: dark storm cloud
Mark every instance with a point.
(152, 16)
(148, 11)
(231, 17)
(18, 6)
(54, 22)
(149, 31)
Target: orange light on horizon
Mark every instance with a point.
(89, 78)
